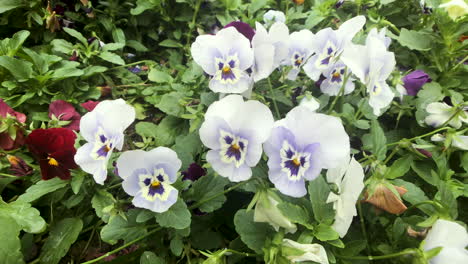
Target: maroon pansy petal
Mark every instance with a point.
(90, 105)
(243, 28)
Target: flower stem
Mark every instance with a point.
(418, 137)
(388, 256)
(242, 253)
(9, 176)
(199, 203)
(122, 247)
(278, 116)
(130, 64)
(340, 93)
(192, 23)
(363, 227)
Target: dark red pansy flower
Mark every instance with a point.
(55, 151)
(65, 112)
(194, 172)
(89, 105)
(18, 166)
(243, 28)
(12, 135)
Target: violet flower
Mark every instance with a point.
(414, 81)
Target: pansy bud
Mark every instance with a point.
(74, 56)
(266, 211)
(274, 16)
(297, 252)
(18, 166)
(414, 81)
(455, 8)
(383, 198)
(11, 131)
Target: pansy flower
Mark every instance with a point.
(328, 44)
(89, 105)
(234, 131)
(267, 211)
(304, 252)
(64, 111)
(148, 177)
(243, 28)
(225, 56)
(453, 239)
(300, 49)
(301, 145)
(54, 149)
(414, 81)
(372, 64)
(348, 178)
(334, 78)
(103, 129)
(272, 16)
(440, 113)
(270, 49)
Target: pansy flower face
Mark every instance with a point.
(329, 44)
(372, 64)
(148, 177)
(225, 56)
(334, 78)
(54, 149)
(299, 51)
(103, 129)
(300, 146)
(234, 131)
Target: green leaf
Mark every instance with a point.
(178, 216)
(10, 244)
(399, 168)
(120, 228)
(295, 213)
(414, 195)
(41, 188)
(170, 104)
(325, 233)
(91, 70)
(313, 19)
(252, 234)
(170, 43)
(76, 182)
(21, 70)
(149, 257)
(113, 46)
(146, 129)
(28, 218)
(112, 57)
(62, 236)
(138, 46)
(118, 35)
(187, 147)
(159, 76)
(318, 193)
(256, 5)
(17, 41)
(102, 200)
(176, 246)
(379, 141)
(62, 46)
(76, 35)
(206, 187)
(6, 5)
(424, 170)
(415, 40)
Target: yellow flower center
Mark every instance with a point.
(296, 162)
(13, 160)
(235, 146)
(53, 162)
(155, 184)
(299, 61)
(226, 69)
(336, 75)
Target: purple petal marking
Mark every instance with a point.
(293, 168)
(329, 50)
(233, 151)
(325, 61)
(232, 64)
(156, 190)
(103, 138)
(147, 181)
(102, 152)
(220, 65)
(160, 178)
(227, 74)
(228, 140)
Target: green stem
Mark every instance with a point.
(278, 116)
(340, 93)
(114, 186)
(394, 151)
(9, 175)
(363, 227)
(418, 137)
(242, 253)
(391, 25)
(460, 63)
(122, 247)
(460, 108)
(192, 23)
(130, 64)
(388, 256)
(196, 205)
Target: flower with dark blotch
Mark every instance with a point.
(18, 166)
(243, 28)
(414, 81)
(64, 111)
(54, 149)
(11, 132)
(89, 105)
(194, 172)
(74, 56)
(103, 129)
(148, 176)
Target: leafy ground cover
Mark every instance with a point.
(193, 131)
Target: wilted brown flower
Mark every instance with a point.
(298, 2)
(385, 199)
(18, 166)
(417, 234)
